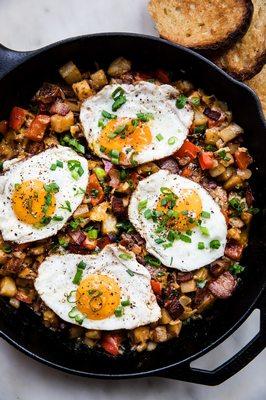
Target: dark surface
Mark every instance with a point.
(25, 330)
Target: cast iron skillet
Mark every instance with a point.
(21, 74)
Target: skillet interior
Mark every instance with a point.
(22, 326)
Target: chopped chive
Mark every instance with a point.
(172, 140)
(53, 167)
(119, 311)
(108, 115)
(125, 256)
(130, 272)
(118, 102)
(117, 92)
(201, 246)
(215, 244)
(57, 218)
(159, 137)
(185, 238)
(205, 214)
(142, 204)
(77, 278)
(181, 101)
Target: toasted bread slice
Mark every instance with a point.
(258, 84)
(247, 56)
(201, 24)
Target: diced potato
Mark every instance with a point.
(236, 222)
(89, 342)
(27, 273)
(217, 170)
(189, 286)
(75, 130)
(98, 79)
(199, 119)
(60, 123)
(3, 257)
(244, 174)
(227, 174)
(201, 274)
(93, 334)
(234, 233)
(150, 167)
(82, 211)
(187, 313)
(184, 300)
(70, 73)
(75, 332)
(14, 302)
(50, 318)
(8, 287)
(50, 141)
(151, 346)
(141, 334)
(232, 182)
(73, 106)
(93, 164)
(119, 67)
(211, 136)
(174, 328)
(246, 217)
(230, 132)
(165, 318)
(160, 334)
(109, 224)
(37, 250)
(141, 347)
(82, 89)
(98, 213)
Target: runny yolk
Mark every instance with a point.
(98, 296)
(135, 137)
(31, 202)
(188, 207)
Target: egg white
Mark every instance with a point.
(54, 283)
(143, 97)
(182, 256)
(38, 168)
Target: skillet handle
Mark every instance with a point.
(230, 367)
(9, 59)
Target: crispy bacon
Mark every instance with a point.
(174, 308)
(223, 286)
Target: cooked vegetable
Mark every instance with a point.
(61, 123)
(119, 66)
(98, 79)
(206, 160)
(95, 190)
(188, 149)
(8, 287)
(82, 89)
(17, 118)
(37, 128)
(70, 73)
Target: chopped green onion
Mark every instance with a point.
(204, 230)
(181, 101)
(7, 248)
(1, 166)
(114, 154)
(102, 149)
(125, 303)
(148, 213)
(215, 244)
(117, 92)
(63, 242)
(57, 218)
(185, 238)
(195, 101)
(51, 188)
(205, 214)
(100, 173)
(201, 246)
(101, 123)
(77, 277)
(71, 297)
(253, 210)
(107, 115)
(200, 128)
(142, 204)
(59, 164)
(159, 137)
(152, 261)
(120, 100)
(172, 140)
(53, 167)
(145, 117)
(92, 234)
(201, 284)
(119, 311)
(130, 272)
(73, 143)
(236, 269)
(125, 256)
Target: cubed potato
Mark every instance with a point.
(141, 347)
(184, 86)
(211, 136)
(140, 334)
(50, 318)
(184, 300)
(189, 286)
(244, 174)
(151, 346)
(160, 334)
(119, 67)
(109, 224)
(8, 287)
(93, 334)
(174, 328)
(75, 130)
(232, 182)
(98, 79)
(188, 312)
(206, 302)
(60, 123)
(82, 90)
(246, 217)
(150, 167)
(234, 233)
(217, 170)
(50, 141)
(82, 211)
(199, 119)
(3, 257)
(27, 273)
(98, 213)
(70, 73)
(227, 174)
(236, 222)
(14, 302)
(165, 318)
(89, 342)
(230, 132)
(201, 274)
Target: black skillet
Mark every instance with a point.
(21, 75)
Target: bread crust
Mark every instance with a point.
(208, 25)
(246, 58)
(258, 84)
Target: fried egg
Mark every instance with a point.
(133, 124)
(40, 193)
(182, 225)
(106, 291)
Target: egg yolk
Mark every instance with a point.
(98, 296)
(31, 202)
(120, 133)
(188, 208)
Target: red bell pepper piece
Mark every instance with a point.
(206, 160)
(156, 287)
(95, 191)
(3, 126)
(187, 172)
(37, 128)
(17, 118)
(188, 149)
(111, 343)
(243, 159)
(162, 75)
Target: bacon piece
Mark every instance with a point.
(118, 206)
(219, 266)
(77, 237)
(212, 114)
(107, 166)
(169, 164)
(223, 286)
(184, 276)
(234, 250)
(174, 307)
(114, 175)
(59, 107)
(111, 343)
